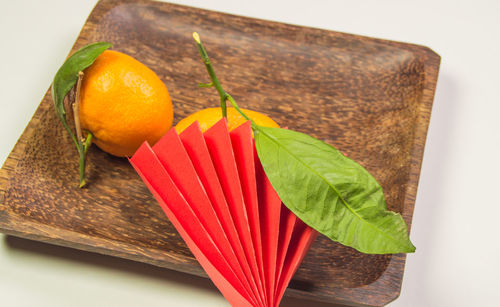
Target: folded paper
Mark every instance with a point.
(215, 192)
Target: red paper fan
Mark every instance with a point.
(214, 190)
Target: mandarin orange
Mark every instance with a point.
(209, 116)
(123, 103)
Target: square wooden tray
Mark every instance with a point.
(370, 98)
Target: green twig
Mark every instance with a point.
(215, 82)
(82, 152)
(82, 168)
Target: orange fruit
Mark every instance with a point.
(208, 117)
(123, 103)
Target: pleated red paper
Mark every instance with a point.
(213, 189)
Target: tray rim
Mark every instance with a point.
(391, 277)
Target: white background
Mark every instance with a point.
(455, 225)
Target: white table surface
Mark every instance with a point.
(455, 224)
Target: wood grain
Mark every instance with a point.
(370, 98)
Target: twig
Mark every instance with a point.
(215, 82)
(76, 110)
(82, 143)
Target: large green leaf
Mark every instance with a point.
(67, 76)
(330, 192)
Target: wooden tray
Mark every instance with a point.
(370, 98)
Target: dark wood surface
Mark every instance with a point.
(370, 98)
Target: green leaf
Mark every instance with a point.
(330, 192)
(67, 76)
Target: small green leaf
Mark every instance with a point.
(67, 76)
(330, 192)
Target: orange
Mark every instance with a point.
(123, 103)
(208, 117)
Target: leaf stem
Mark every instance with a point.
(235, 105)
(215, 82)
